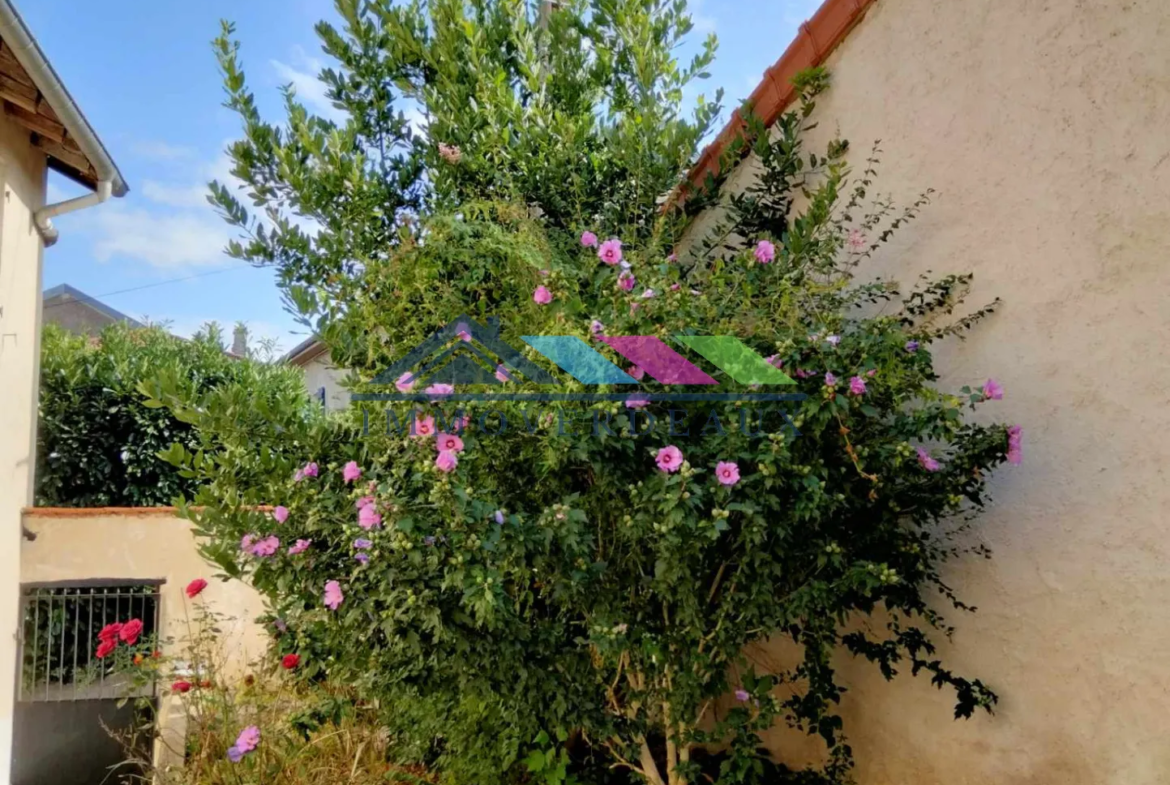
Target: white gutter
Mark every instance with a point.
(24, 48)
(41, 217)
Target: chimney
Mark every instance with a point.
(240, 341)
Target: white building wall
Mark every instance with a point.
(22, 190)
(320, 372)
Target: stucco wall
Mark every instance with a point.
(1045, 127)
(147, 544)
(319, 372)
(22, 188)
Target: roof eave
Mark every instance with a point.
(27, 52)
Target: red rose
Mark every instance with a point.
(137, 659)
(196, 586)
(130, 632)
(290, 661)
(105, 649)
(181, 686)
(110, 632)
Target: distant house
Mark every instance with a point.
(322, 378)
(77, 312)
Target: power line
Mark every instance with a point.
(155, 284)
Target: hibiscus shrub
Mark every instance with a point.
(580, 584)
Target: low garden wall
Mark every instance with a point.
(140, 544)
(150, 545)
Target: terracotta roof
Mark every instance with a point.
(817, 38)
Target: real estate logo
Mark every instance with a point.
(464, 352)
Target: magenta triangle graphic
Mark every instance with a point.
(657, 359)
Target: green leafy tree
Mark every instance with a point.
(579, 576)
(98, 441)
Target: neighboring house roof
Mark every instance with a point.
(817, 39)
(66, 294)
(34, 97)
(305, 351)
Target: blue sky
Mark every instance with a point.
(144, 74)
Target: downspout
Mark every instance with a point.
(42, 217)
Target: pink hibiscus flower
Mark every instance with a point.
(449, 442)
(927, 462)
(588, 239)
(992, 390)
(446, 461)
(368, 517)
(542, 296)
(423, 426)
(669, 459)
(1015, 452)
(351, 472)
(727, 472)
(765, 252)
(333, 595)
(266, 547)
(300, 547)
(610, 251)
(280, 514)
(405, 382)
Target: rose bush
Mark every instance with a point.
(578, 575)
(242, 722)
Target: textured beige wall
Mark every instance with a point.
(1045, 127)
(22, 190)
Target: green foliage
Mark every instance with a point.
(577, 118)
(98, 441)
(556, 581)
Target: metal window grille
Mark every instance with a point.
(58, 640)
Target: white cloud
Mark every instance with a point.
(175, 240)
(162, 151)
(704, 23)
(309, 89)
(175, 195)
(193, 192)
